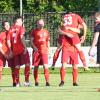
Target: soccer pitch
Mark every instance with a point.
(87, 89)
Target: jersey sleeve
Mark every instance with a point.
(97, 28)
(48, 36)
(80, 20)
(22, 31)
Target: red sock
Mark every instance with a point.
(82, 57)
(46, 74)
(27, 73)
(36, 75)
(55, 57)
(13, 76)
(16, 73)
(75, 74)
(62, 73)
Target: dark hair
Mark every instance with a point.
(17, 17)
(3, 23)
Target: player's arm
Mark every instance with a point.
(84, 32)
(64, 33)
(33, 45)
(48, 40)
(1, 50)
(24, 43)
(95, 39)
(76, 30)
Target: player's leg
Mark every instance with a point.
(64, 58)
(75, 75)
(55, 57)
(77, 44)
(27, 74)
(16, 69)
(82, 56)
(46, 69)
(16, 74)
(35, 62)
(26, 61)
(11, 65)
(62, 73)
(35, 72)
(2, 63)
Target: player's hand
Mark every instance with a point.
(6, 56)
(25, 50)
(10, 54)
(35, 49)
(92, 51)
(82, 39)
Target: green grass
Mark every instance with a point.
(88, 82)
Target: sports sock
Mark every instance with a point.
(62, 73)
(16, 72)
(13, 76)
(36, 75)
(46, 74)
(55, 57)
(75, 74)
(27, 73)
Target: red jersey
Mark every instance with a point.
(67, 43)
(41, 38)
(3, 41)
(16, 32)
(72, 20)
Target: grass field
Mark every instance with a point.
(87, 89)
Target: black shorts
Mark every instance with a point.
(98, 54)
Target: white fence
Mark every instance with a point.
(91, 62)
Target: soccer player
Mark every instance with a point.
(19, 49)
(5, 52)
(59, 48)
(68, 52)
(96, 38)
(6, 47)
(40, 43)
(71, 21)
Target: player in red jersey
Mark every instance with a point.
(5, 52)
(68, 52)
(40, 44)
(19, 49)
(71, 21)
(59, 48)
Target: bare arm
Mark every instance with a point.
(32, 44)
(95, 39)
(77, 30)
(64, 33)
(85, 32)
(23, 42)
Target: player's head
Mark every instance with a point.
(6, 25)
(40, 23)
(97, 16)
(18, 21)
(69, 11)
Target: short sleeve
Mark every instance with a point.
(80, 20)
(97, 28)
(22, 30)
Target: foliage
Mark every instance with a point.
(49, 5)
